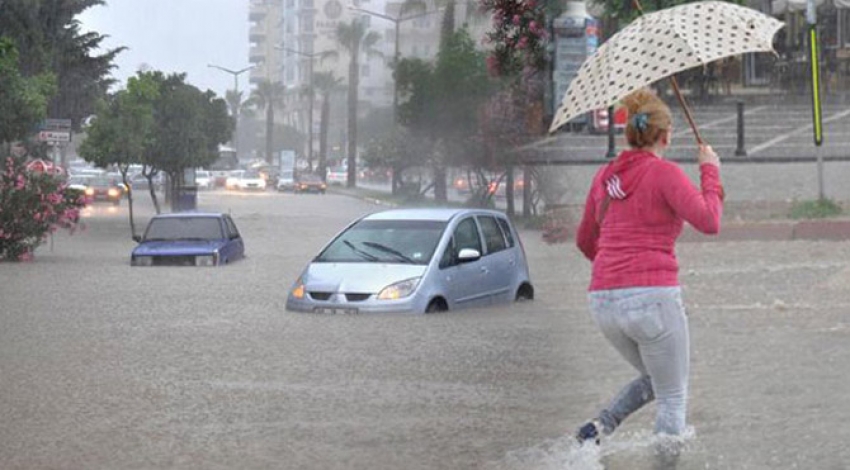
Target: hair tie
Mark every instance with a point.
(640, 121)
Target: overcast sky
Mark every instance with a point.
(176, 36)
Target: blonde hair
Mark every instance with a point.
(644, 131)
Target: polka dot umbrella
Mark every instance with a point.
(660, 44)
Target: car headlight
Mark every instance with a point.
(89, 192)
(399, 290)
(298, 290)
(113, 192)
(205, 260)
(141, 261)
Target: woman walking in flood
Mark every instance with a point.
(635, 210)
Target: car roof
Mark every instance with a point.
(179, 215)
(440, 214)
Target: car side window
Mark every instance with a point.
(466, 235)
(506, 228)
(492, 234)
(231, 228)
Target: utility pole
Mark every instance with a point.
(312, 57)
(396, 20)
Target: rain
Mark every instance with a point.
(259, 133)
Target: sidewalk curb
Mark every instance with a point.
(833, 230)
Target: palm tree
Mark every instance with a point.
(354, 37)
(269, 95)
(237, 107)
(326, 84)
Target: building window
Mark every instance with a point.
(364, 70)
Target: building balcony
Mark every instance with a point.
(257, 11)
(257, 33)
(257, 55)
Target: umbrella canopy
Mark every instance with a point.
(661, 44)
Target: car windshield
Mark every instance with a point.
(101, 182)
(251, 174)
(78, 180)
(385, 241)
(310, 178)
(184, 228)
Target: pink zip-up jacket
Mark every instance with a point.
(649, 199)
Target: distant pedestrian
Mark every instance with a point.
(635, 211)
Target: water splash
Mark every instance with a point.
(621, 451)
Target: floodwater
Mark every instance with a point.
(104, 366)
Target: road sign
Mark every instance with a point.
(54, 136)
(56, 125)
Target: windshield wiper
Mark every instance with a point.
(389, 250)
(194, 239)
(360, 252)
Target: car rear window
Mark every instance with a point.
(184, 228)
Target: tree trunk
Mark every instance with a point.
(129, 201)
(269, 133)
(353, 83)
(323, 137)
(440, 192)
(152, 190)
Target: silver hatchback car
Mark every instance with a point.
(416, 261)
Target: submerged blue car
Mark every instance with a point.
(188, 239)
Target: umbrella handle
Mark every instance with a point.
(686, 109)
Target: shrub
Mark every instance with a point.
(33, 204)
(817, 209)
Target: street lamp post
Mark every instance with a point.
(396, 20)
(235, 74)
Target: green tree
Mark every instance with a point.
(269, 96)
(443, 101)
(50, 41)
(325, 84)
(23, 101)
(189, 125)
(355, 38)
(122, 131)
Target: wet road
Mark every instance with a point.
(103, 366)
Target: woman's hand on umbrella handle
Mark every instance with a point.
(707, 155)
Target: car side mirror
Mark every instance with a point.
(137, 238)
(467, 255)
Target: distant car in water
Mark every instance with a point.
(417, 261)
(309, 183)
(188, 239)
(337, 176)
(204, 179)
(286, 181)
(102, 188)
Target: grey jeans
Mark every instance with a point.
(649, 328)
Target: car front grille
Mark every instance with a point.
(356, 297)
(173, 261)
(320, 295)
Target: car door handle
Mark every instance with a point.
(485, 270)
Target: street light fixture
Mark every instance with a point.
(312, 96)
(396, 20)
(235, 74)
